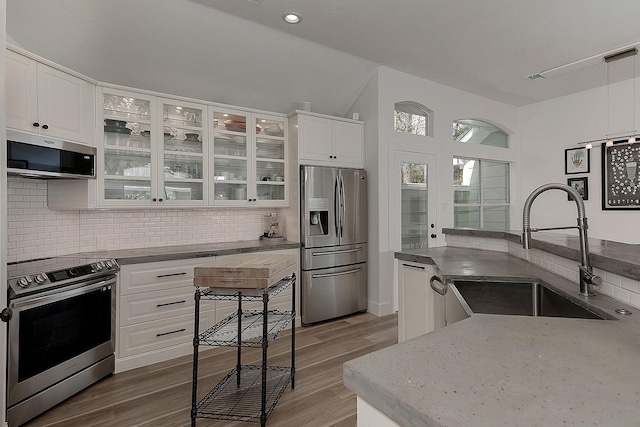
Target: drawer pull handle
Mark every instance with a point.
(172, 332)
(172, 274)
(413, 266)
(170, 303)
(344, 251)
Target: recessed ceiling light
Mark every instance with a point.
(291, 18)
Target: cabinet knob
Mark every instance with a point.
(45, 126)
(154, 200)
(433, 236)
(36, 124)
(160, 200)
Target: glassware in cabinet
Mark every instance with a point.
(183, 154)
(230, 156)
(270, 159)
(128, 166)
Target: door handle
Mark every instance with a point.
(342, 273)
(441, 290)
(6, 314)
(336, 202)
(343, 214)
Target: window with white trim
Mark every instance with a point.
(473, 131)
(480, 194)
(413, 117)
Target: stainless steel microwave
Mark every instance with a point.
(37, 156)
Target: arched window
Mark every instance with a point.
(479, 132)
(412, 117)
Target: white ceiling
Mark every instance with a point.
(235, 52)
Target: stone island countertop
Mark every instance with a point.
(491, 370)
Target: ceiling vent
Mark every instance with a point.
(254, 2)
(621, 55)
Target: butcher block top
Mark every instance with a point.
(245, 271)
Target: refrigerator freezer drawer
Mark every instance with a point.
(332, 292)
(333, 256)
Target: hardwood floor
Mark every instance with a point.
(160, 394)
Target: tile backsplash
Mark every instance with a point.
(34, 231)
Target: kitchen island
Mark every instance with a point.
(491, 370)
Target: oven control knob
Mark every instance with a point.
(24, 281)
(99, 266)
(109, 263)
(40, 278)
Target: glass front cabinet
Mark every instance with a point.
(163, 152)
(248, 166)
(152, 149)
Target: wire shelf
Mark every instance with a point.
(225, 332)
(251, 295)
(228, 401)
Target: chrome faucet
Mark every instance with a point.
(587, 278)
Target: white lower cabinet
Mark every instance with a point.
(420, 308)
(156, 305)
(155, 312)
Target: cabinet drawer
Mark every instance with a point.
(160, 334)
(145, 307)
(156, 276)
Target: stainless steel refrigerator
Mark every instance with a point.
(333, 232)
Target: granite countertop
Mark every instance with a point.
(169, 253)
(619, 258)
(491, 370)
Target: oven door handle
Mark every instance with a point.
(57, 296)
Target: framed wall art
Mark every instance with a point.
(581, 185)
(620, 186)
(576, 160)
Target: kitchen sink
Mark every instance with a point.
(525, 298)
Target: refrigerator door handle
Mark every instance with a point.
(342, 273)
(336, 205)
(343, 214)
(345, 251)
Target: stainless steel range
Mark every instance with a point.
(61, 335)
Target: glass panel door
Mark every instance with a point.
(230, 157)
(414, 205)
(182, 148)
(270, 159)
(127, 167)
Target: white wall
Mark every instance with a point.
(548, 128)
(366, 105)
(376, 106)
(34, 231)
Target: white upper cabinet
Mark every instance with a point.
(44, 100)
(151, 151)
(247, 159)
(326, 141)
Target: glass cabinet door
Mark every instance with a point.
(127, 149)
(230, 169)
(182, 152)
(270, 154)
